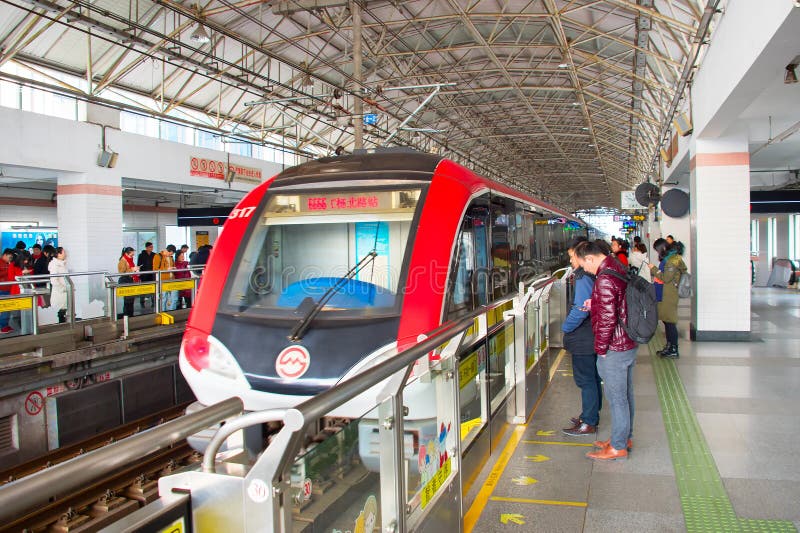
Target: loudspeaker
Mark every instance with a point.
(666, 157)
(107, 159)
(683, 124)
(675, 203)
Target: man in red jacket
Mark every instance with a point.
(616, 352)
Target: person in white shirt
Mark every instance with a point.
(638, 258)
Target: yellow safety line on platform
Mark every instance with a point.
(557, 443)
(477, 507)
(541, 502)
(474, 513)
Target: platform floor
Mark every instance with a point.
(729, 461)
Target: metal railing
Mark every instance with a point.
(430, 384)
(156, 287)
(67, 477)
(32, 293)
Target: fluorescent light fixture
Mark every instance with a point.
(563, 65)
(576, 103)
(200, 35)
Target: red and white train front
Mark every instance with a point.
(317, 275)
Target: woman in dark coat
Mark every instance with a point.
(665, 278)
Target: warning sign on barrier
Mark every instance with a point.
(177, 285)
(34, 403)
(136, 290)
(16, 304)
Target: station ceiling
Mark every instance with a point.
(567, 99)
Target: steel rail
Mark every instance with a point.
(21, 496)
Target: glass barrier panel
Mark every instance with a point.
(91, 297)
(429, 431)
(177, 292)
(16, 315)
(135, 299)
(531, 328)
(471, 395)
(500, 371)
(336, 480)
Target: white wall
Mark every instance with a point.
(36, 146)
(42, 142)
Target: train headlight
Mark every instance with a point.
(221, 361)
(196, 348)
(204, 352)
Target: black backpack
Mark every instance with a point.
(640, 296)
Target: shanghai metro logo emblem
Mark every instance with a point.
(292, 362)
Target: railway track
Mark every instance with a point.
(108, 499)
(98, 441)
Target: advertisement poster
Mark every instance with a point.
(29, 237)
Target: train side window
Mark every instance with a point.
(469, 268)
(503, 229)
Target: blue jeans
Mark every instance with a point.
(4, 316)
(584, 370)
(616, 369)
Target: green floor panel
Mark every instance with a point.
(705, 502)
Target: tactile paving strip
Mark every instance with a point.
(706, 506)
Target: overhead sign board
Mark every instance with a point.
(245, 174)
(209, 168)
(628, 200)
(370, 119)
(635, 218)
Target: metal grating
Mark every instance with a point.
(7, 434)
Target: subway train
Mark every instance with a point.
(332, 265)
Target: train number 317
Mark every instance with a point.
(244, 212)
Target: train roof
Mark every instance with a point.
(389, 163)
(384, 161)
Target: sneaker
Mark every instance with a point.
(580, 430)
(6, 329)
(671, 352)
(576, 421)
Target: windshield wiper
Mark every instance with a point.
(311, 309)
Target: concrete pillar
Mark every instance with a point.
(90, 229)
(720, 238)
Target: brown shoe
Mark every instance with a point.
(608, 454)
(580, 430)
(606, 443)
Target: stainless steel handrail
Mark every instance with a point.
(23, 495)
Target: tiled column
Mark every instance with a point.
(720, 238)
(90, 229)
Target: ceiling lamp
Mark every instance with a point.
(790, 76)
(199, 35)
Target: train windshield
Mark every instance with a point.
(346, 247)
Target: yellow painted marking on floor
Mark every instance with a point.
(556, 364)
(548, 433)
(557, 443)
(540, 502)
(524, 481)
(477, 507)
(537, 458)
(474, 513)
(513, 518)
